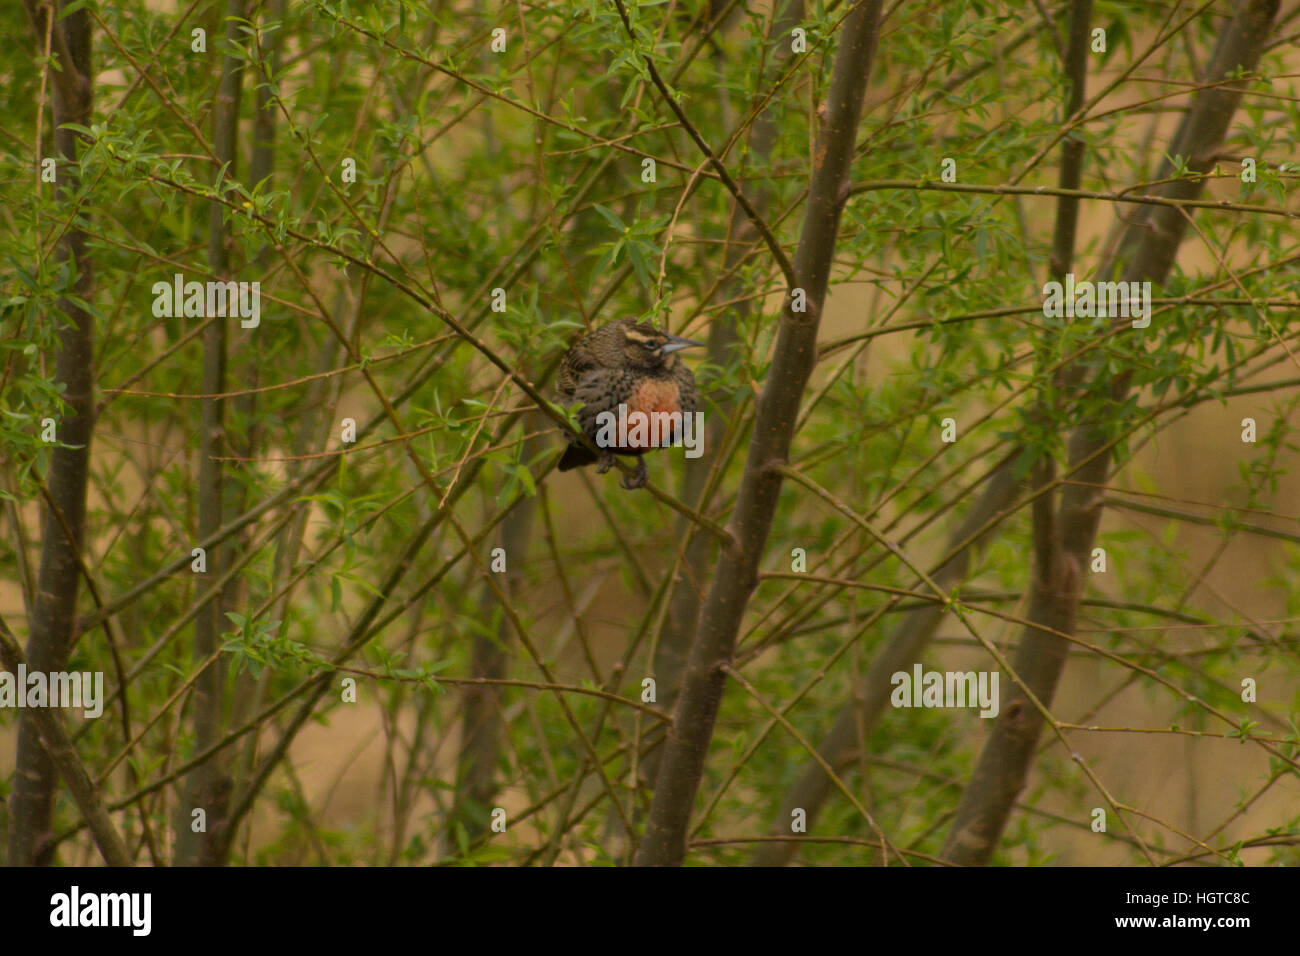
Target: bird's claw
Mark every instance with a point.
(605, 462)
(638, 478)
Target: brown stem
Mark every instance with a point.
(684, 608)
(1149, 246)
(858, 718)
(63, 756)
(208, 788)
(483, 726)
(777, 411)
(53, 623)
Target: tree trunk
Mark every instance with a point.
(63, 522)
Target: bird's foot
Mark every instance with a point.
(638, 478)
(605, 462)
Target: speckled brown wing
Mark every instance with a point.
(577, 362)
(600, 390)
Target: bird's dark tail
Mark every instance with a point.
(575, 456)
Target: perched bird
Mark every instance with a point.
(627, 363)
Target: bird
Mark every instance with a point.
(624, 363)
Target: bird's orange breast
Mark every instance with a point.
(652, 398)
(655, 395)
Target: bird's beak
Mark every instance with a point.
(676, 343)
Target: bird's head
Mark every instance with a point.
(644, 346)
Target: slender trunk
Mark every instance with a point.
(63, 522)
(208, 786)
(777, 412)
(248, 690)
(483, 728)
(1149, 246)
(684, 607)
(858, 718)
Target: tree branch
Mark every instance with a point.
(209, 786)
(1149, 244)
(60, 751)
(64, 518)
(778, 407)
